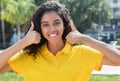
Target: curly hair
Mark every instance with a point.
(61, 10)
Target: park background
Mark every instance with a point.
(99, 19)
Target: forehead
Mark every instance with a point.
(50, 15)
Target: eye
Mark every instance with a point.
(57, 23)
(45, 25)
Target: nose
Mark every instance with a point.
(52, 27)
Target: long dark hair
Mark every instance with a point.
(61, 10)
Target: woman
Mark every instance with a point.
(50, 52)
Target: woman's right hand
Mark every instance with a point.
(32, 36)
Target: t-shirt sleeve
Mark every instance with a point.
(16, 62)
(94, 57)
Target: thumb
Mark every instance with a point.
(72, 25)
(32, 26)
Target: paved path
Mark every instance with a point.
(0, 51)
(111, 70)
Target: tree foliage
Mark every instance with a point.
(84, 12)
(17, 12)
(38, 2)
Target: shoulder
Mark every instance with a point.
(73, 48)
(79, 47)
(84, 49)
(22, 55)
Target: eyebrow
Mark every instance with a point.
(57, 20)
(47, 21)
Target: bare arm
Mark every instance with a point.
(111, 54)
(30, 38)
(6, 69)
(9, 52)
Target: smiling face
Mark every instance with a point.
(52, 27)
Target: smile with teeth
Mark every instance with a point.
(53, 35)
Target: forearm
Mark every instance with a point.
(32, 37)
(110, 52)
(9, 52)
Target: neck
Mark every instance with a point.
(55, 47)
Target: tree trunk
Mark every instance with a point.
(19, 32)
(3, 33)
(3, 28)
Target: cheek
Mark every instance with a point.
(43, 32)
(63, 28)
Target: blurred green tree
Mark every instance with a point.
(84, 12)
(17, 12)
(38, 2)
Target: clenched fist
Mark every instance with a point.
(32, 36)
(75, 37)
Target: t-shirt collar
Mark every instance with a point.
(66, 50)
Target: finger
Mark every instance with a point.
(70, 41)
(68, 36)
(32, 26)
(72, 25)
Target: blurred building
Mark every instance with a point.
(115, 7)
(111, 31)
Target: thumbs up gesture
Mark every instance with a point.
(74, 37)
(32, 36)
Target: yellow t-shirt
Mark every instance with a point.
(72, 63)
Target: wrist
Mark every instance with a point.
(25, 42)
(86, 39)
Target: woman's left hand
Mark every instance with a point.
(75, 37)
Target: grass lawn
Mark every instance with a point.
(10, 76)
(105, 78)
